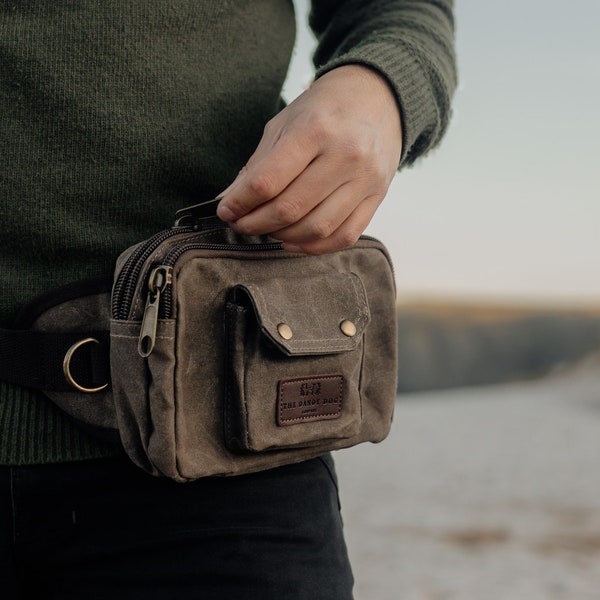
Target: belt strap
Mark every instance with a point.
(53, 361)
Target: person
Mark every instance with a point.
(114, 115)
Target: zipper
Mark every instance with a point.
(173, 256)
(126, 282)
(159, 300)
(160, 278)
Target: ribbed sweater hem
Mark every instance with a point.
(37, 432)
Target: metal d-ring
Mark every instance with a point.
(67, 367)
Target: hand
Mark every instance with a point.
(323, 165)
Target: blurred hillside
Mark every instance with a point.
(451, 345)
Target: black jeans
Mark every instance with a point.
(103, 529)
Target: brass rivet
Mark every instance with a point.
(285, 331)
(348, 328)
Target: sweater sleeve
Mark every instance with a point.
(410, 43)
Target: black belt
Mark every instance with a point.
(56, 361)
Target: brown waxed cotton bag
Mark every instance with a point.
(230, 355)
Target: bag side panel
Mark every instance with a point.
(130, 391)
(161, 372)
(379, 374)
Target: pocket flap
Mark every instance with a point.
(322, 314)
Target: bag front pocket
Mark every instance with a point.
(294, 356)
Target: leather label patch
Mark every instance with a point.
(305, 399)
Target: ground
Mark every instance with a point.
(488, 493)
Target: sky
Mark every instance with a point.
(507, 209)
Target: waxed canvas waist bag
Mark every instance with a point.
(229, 355)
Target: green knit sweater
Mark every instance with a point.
(114, 114)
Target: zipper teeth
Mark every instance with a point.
(127, 279)
(126, 283)
(173, 256)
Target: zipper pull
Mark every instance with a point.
(190, 215)
(159, 279)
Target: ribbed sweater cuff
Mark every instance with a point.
(35, 431)
(407, 78)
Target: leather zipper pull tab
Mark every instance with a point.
(159, 279)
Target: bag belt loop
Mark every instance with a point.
(56, 361)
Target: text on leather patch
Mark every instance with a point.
(309, 399)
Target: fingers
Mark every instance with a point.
(345, 235)
(282, 209)
(322, 166)
(311, 187)
(326, 207)
(323, 220)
